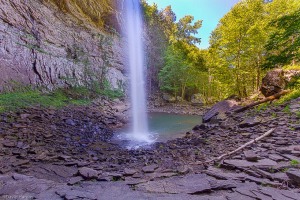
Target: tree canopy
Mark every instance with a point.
(253, 36)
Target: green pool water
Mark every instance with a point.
(165, 126)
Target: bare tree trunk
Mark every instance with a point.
(258, 78)
(183, 91)
(270, 98)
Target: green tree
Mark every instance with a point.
(183, 60)
(237, 41)
(171, 74)
(157, 31)
(179, 73)
(283, 45)
(238, 44)
(185, 30)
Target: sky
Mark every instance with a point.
(210, 11)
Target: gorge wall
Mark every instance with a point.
(42, 45)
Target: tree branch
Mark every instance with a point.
(270, 98)
(241, 147)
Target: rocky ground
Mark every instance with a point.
(178, 108)
(69, 153)
(184, 107)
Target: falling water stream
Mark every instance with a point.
(133, 32)
(162, 127)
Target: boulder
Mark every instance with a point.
(129, 172)
(88, 173)
(150, 168)
(178, 98)
(169, 98)
(273, 82)
(220, 109)
(250, 122)
(289, 75)
(294, 175)
(250, 156)
(196, 100)
(75, 180)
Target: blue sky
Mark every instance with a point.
(210, 11)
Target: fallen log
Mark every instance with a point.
(270, 98)
(240, 148)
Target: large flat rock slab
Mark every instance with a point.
(191, 187)
(189, 184)
(245, 163)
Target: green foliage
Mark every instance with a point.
(294, 86)
(185, 30)
(26, 98)
(292, 95)
(171, 75)
(90, 10)
(94, 90)
(109, 92)
(23, 97)
(183, 65)
(294, 162)
(174, 54)
(283, 45)
(237, 48)
(238, 54)
(287, 109)
(284, 170)
(298, 114)
(291, 67)
(252, 35)
(262, 107)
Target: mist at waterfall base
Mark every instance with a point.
(139, 133)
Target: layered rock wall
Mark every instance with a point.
(43, 46)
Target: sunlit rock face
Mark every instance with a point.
(273, 82)
(43, 45)
(276, 80)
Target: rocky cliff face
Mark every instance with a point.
(43, 46)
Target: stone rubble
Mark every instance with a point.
(43, 156)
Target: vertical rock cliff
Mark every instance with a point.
(43, 44)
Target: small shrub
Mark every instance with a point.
(298, 114)
(109, 92)
(295, 93)
(262, 107)
(284, 170)
(292, 67)
(287, 109)
(274, 115)
(294, 162)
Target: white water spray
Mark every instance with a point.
(133, 31)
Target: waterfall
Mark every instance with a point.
(133, 31)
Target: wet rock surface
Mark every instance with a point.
(69, 154)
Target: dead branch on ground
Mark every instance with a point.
(270, 98)
(240, 148)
